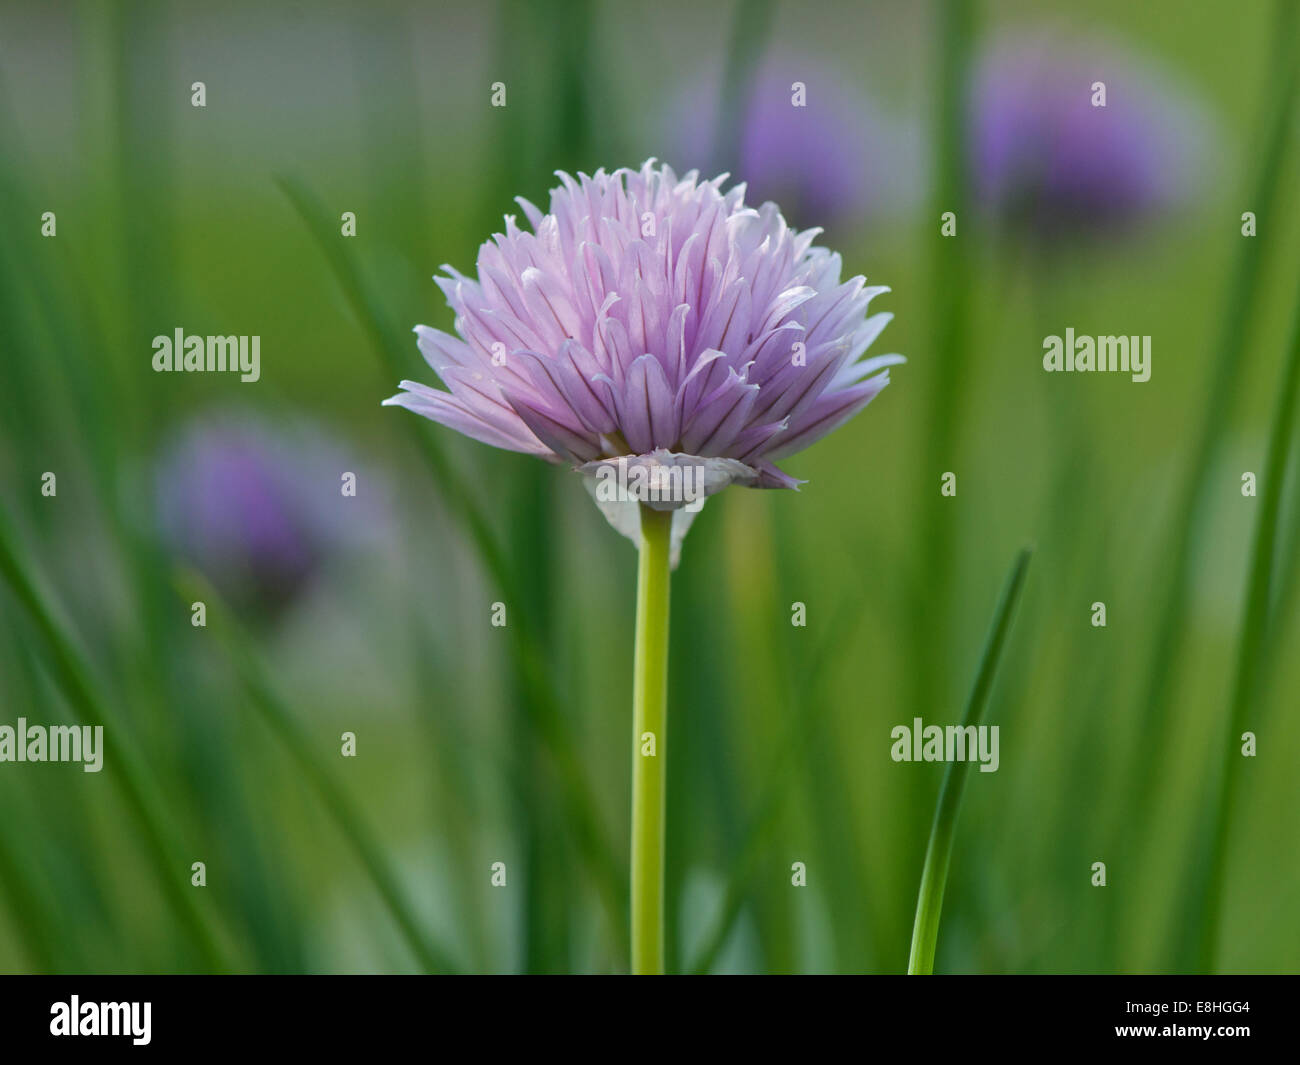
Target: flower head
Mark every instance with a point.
(1050, 159)
(655, 319)
(808, 139)
(256, 508)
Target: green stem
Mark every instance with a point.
(934, 876)
(649, 742)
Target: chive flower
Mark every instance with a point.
(1052, 159)
(653, 325)
(656, 319)
(255, 506)
(806, 137)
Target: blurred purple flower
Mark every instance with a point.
(828, 162)
(1048, 161)
(659, 320)
(257, 509)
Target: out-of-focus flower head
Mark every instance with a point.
(256, 508)
(1049, 162)
(808, 140)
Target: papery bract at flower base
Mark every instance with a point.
(646, 313)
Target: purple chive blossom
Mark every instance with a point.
(830, 160)
(1047, 160)
(256, 509)
(658, 319)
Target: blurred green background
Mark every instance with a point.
(477, 744)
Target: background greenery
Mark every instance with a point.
(479, 744)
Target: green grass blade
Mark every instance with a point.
(38, 926)
(803, 730)
(254, 676)
(1250, 652)
(1196, 483)
(543, 708)
(138, 786)
(934, 876)
(750, 28)
(392, 346)
(951, 281)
